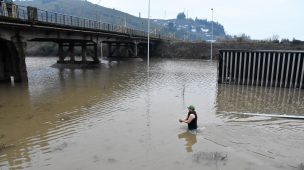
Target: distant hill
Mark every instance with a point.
(181, 27)
(189, 29)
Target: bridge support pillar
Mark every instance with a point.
(60, 52)
(5, 63)
(136, 49)
(118, 49)
(110, 50)
(72, 52)
(18, 59)
(95, 56)
(123, 49)
(84, 52)
(21, 72)
(12, 60)
(101, 50)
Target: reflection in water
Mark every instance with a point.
(190, 138)
(53, 108)
(14, 100)
(253, 99)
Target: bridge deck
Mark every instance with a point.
(30, 17)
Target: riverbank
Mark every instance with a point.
(182, 50)
(202, 50)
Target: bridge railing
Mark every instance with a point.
(36, 16)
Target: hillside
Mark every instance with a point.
(188, 29)
(182, 28)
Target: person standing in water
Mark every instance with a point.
(191, 118)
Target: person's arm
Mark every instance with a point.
(191, 117)
(182, 120)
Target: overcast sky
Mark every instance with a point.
(260, 19)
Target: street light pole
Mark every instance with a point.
(148, 57)
(212, 34)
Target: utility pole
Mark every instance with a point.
(212, 35)
(148, 57)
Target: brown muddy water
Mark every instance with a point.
(122, 117)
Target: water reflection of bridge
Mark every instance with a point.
(253, 99)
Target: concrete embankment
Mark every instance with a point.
(201, 50)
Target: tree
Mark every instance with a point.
(296, 42)
(285, 41)
(242, 37)
(171, 27)
(274, 38)
(181, 16)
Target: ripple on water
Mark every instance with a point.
(130, 102)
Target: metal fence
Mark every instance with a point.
(36, 16)
(262, 68)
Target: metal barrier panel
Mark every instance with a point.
(262, 68)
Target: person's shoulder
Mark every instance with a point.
(192, 115)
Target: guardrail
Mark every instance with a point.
(36, 16)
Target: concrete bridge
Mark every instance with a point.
(20, 24)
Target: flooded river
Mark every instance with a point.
(120, 116)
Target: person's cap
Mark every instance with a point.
(191, 107)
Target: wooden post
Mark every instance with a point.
(223, 66)
(253, 72)
(244, 68)
(230, 72)
(235, 66)
(258, 74)
(298, 66)
(268, 65)
(292, 69)
(227, 65)
(263, 68)
(302, 75)
(287, 71)
(283, 69)
(278, 65)
(249, 70)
